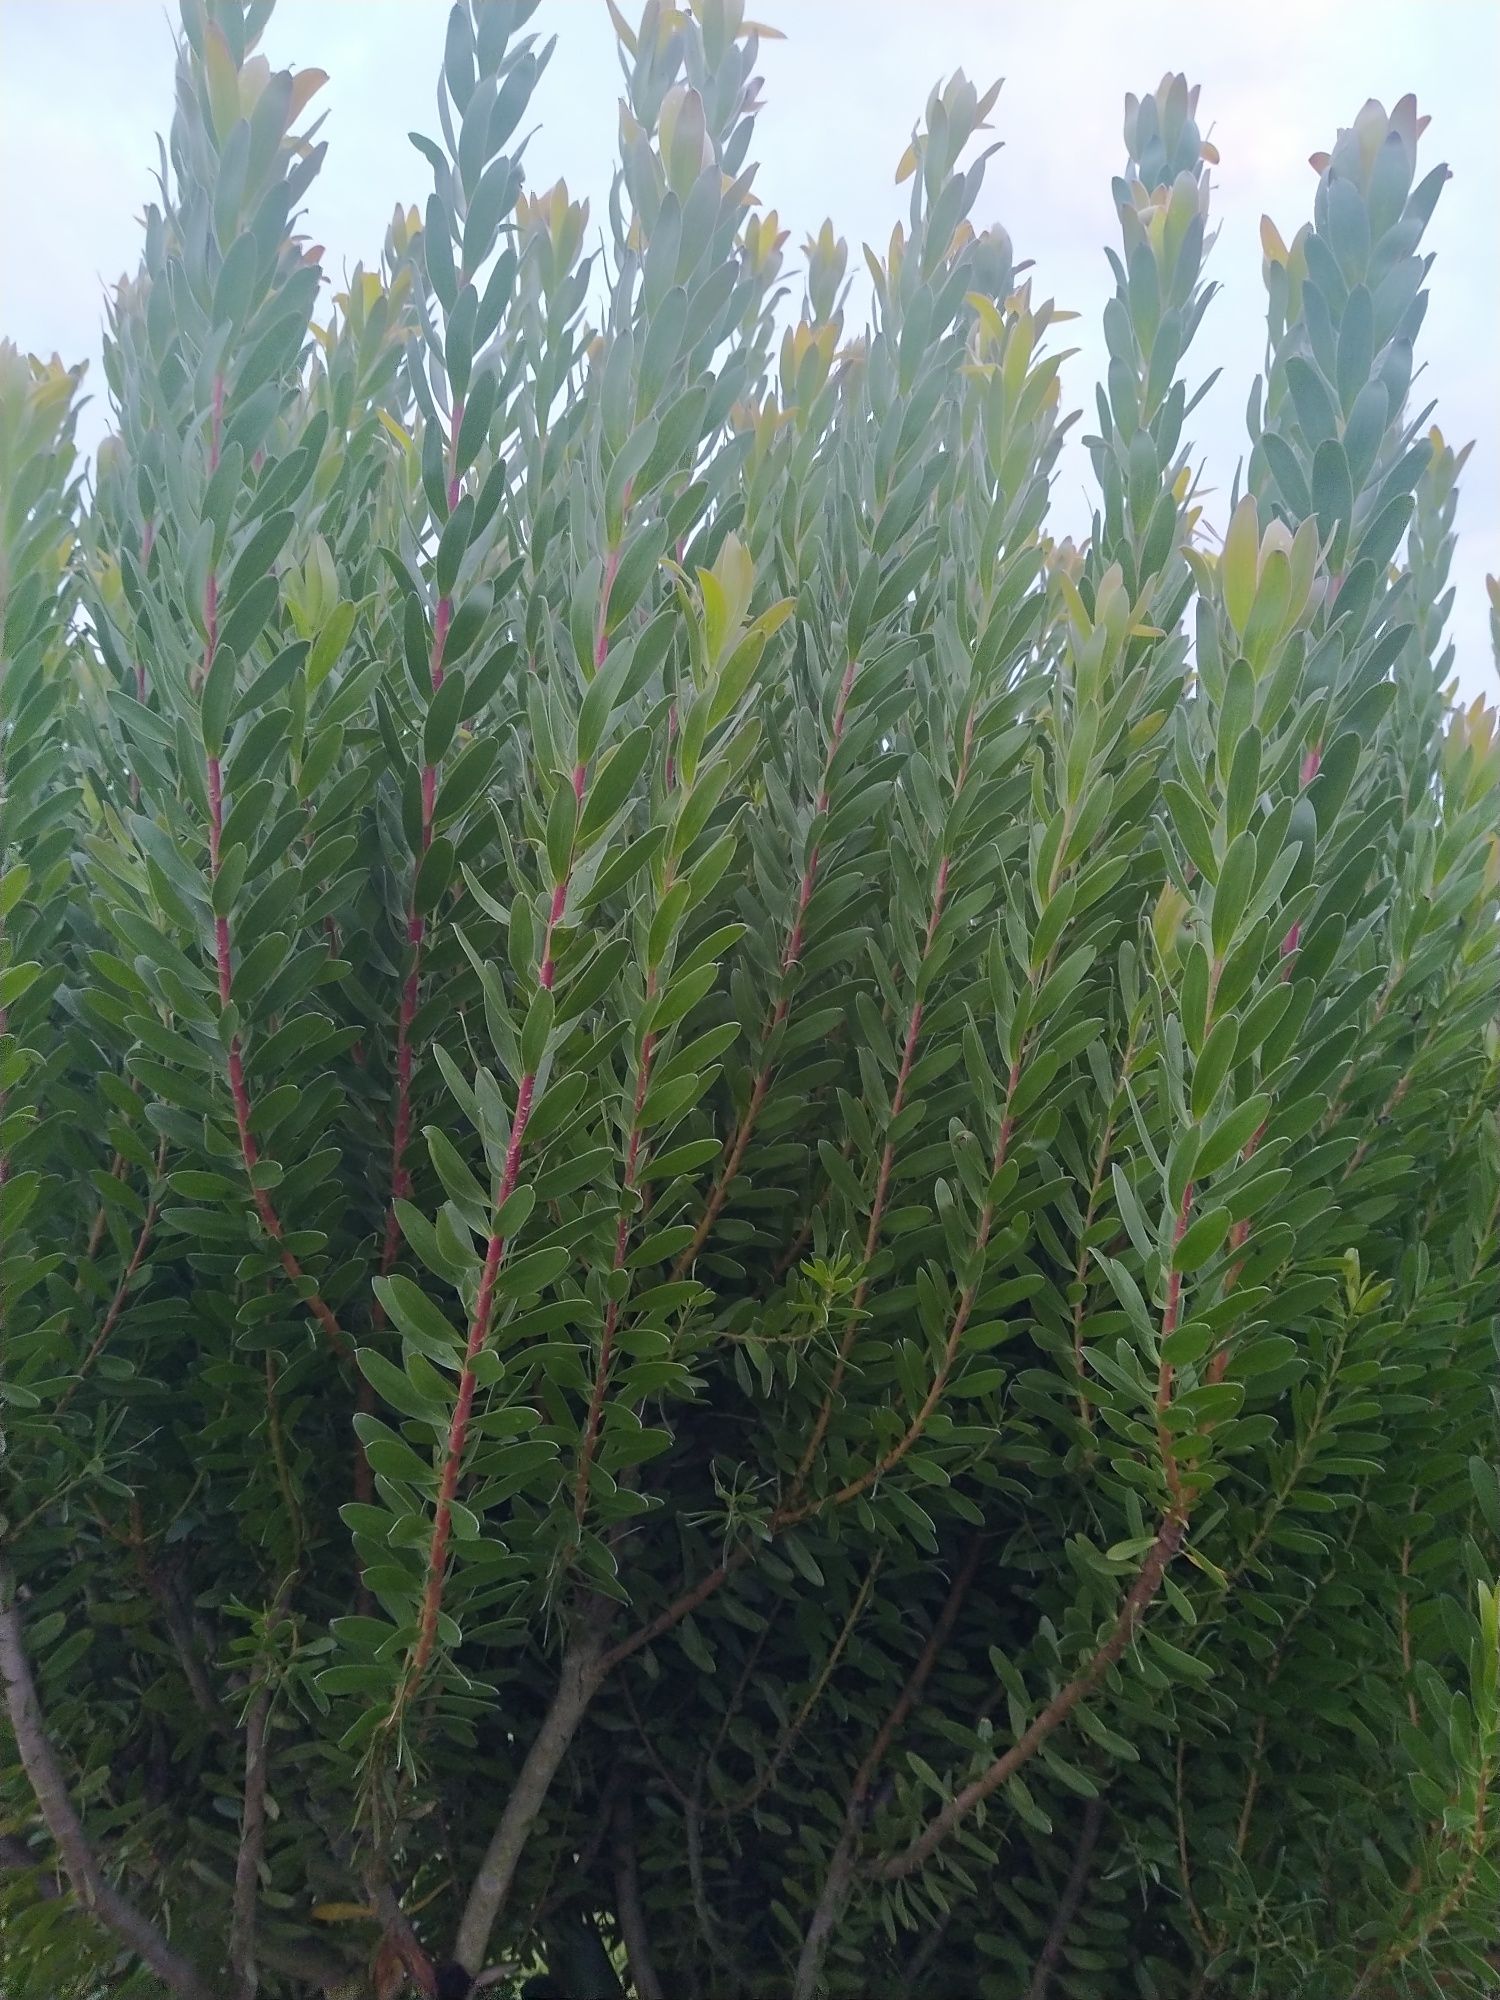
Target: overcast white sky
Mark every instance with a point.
(84, 85)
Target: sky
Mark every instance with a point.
(85, 85)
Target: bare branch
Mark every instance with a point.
(578, 1681)
(252, 1845)
(90, 1884)
(628, 1908)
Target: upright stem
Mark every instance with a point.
(142, 685)
(1184, 1859)
(1165, 1372)
(734, 1152)
(239, 1090)
(1080, 1269)
(122, 1290)
(411, 991)
(762, 1784)
(416, 929)
(589, 1442)
(863, 1481)
(425, 1644)
(889, 1153)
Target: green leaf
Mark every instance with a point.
(612, 784)
(453, 545)
(1233, 891)
(257, 556)
(1201, 1240)
(247, 619)
(540, 1016)
(1486, 1483)
(562, 827)
(217, 701)
(1231, 1134)
(1213, 1064)
(458, 1183)
(1238, 562)
(523, 1276)
(391, 1455)
(434, 873)
(442, 718)
(467, 777)
(394, 1386)
(234, 286)
(418, 1317)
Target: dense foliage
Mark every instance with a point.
(750, 1234)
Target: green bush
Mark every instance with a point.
(749, 1222)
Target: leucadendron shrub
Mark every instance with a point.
(749, 1220)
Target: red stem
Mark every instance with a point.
(589, 1445)
(887, 1159)
(420, 1657)
(411, 990)
(676, 1611)
(1238, 1236)
(601, 637)
(590, 1441)
(148, 540)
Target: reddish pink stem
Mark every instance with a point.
(1165, 1372)
(887, 1159)
(458, 1428)
(411, 990)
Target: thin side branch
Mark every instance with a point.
(1072, 1896)
(91, 1886)
(1146, 1584)
(841, 1869)
(122, 1290)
